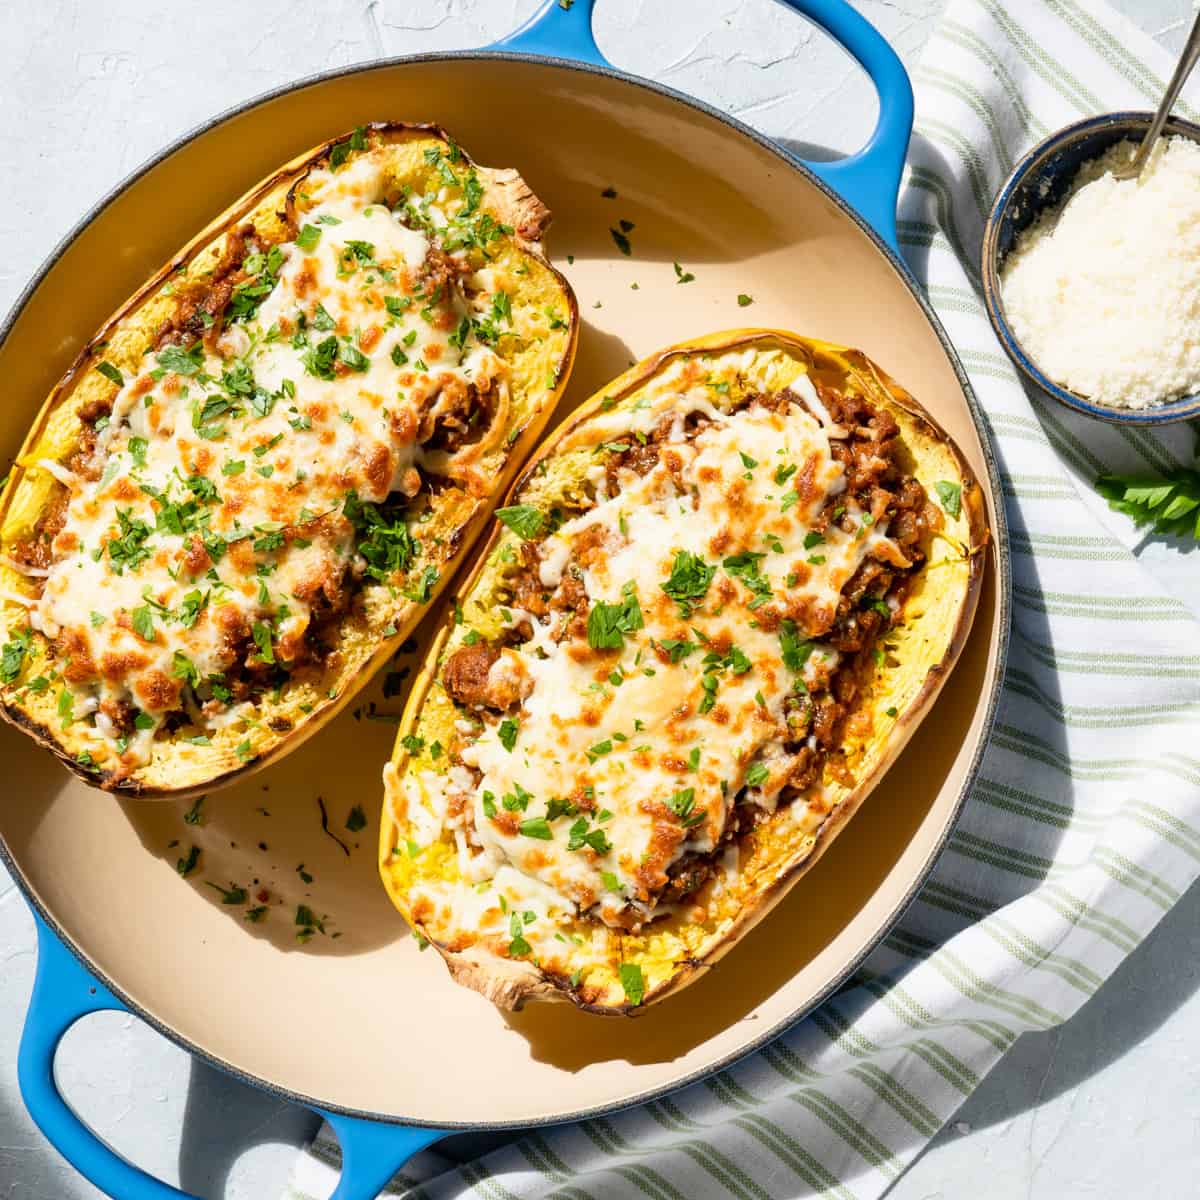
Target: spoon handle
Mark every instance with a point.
(1187, 60)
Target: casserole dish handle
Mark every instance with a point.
(868, 181)
(63, 991)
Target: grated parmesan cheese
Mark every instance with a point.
(1103, 292)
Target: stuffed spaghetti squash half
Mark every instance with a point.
(713, 609)
(253, 481)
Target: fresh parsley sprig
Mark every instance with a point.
(1171, 504)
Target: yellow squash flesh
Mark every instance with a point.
(674, 950)
(539, 355)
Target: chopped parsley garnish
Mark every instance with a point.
(796, 651)
(339, 153)
(507, 733)
(518, 946)
(127, 550)
(579, 836)
(678, 648)
(599, 750)
(682, 802)
(322, 322)
(422, 588)
(737, 661)
(233, 895)
(357, 820)
(744, 301)
(208, 418)
(384, 539)
(190, 608)
(184, 668)
(608, 624)
(621, 242)
(192, 816)
(536, 827)
(745, 566)
(950, 495)
(632, 980)
(12, 657)
(186, 865)
(308, 238)
(111, 373)
(261, 632)
(307, 921)
(524, 520)
(516, 800)
(319, 360)
(682, 276)
(689, 580)
(182, 362)
(142, 619)
(354, 358)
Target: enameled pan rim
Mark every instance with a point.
(1003, 588)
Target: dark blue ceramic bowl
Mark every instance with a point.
(1040, 180)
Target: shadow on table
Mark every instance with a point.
(223, 1119)
(1156, 979)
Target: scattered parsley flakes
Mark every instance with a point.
(536, 827)
(633, 982)
(525, 520)
(308, 238)
(621, 242)
(142, 619)
(507, 733)
(689, 581)
(233, 895)
(950, 495)
(608, 624)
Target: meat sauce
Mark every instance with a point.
(870, 456)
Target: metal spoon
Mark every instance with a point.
(1187, 60)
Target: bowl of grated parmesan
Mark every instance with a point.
(1092, 283)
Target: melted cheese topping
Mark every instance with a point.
(226, 500)
(713, 588)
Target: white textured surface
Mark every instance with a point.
(1104, 1106)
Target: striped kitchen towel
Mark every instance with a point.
(1084, 827)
